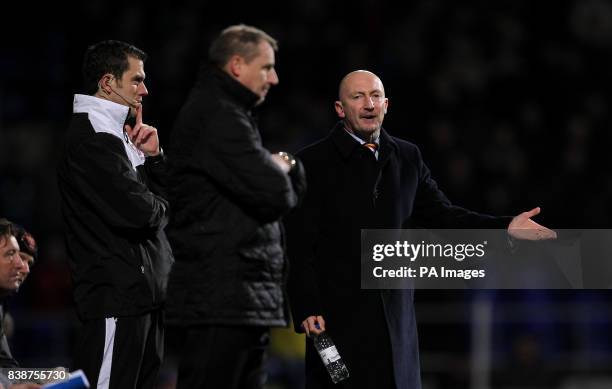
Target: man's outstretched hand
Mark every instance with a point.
(522, 227)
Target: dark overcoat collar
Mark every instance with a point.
(233, 88)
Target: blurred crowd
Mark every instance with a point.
(508, 100)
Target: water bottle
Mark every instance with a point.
(331, 358)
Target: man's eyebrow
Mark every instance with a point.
(362, 92)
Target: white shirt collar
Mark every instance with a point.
(104, 115)
(109, 117)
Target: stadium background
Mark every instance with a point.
(508, 100)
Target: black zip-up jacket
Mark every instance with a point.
(6, 357)
(227, 197)
(114, 218)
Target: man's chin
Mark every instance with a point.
(369, 129)
(261, 100)
(9, 290)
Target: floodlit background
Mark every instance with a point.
(508, 100)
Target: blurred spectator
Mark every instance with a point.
(228, 194)
(14, 268)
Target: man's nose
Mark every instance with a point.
(143, 90)
(22, 265)
(273, 77)
(369, 103)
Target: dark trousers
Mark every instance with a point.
(219, 357)
(121, 353)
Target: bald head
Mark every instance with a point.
(362, 104)
(357, 76)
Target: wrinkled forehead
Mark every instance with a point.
(361, 82)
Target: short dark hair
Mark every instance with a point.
(109, 56)
(27, 243)
(6, 229)
(239, 40)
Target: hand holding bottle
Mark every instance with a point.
(314, 325)
(326, 348)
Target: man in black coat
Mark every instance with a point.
(360, 177)
(227, 196)
(18, 250)
(111, 182)
(13, 271)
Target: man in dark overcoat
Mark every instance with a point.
(360, 177)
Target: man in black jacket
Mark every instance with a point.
(13, 270)
(360, 177)
(17, 253)
(111, 181)
(227, 195)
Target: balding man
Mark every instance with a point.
(360, 177)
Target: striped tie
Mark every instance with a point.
(371, 146)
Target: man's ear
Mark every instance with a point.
(104, 85)
(339, 109)
(234, 65)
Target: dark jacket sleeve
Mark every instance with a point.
(232, 155)
(103, 175)
(6, 358)
(302, 232)
(155, 174)
(298, 180)
(432, 209)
